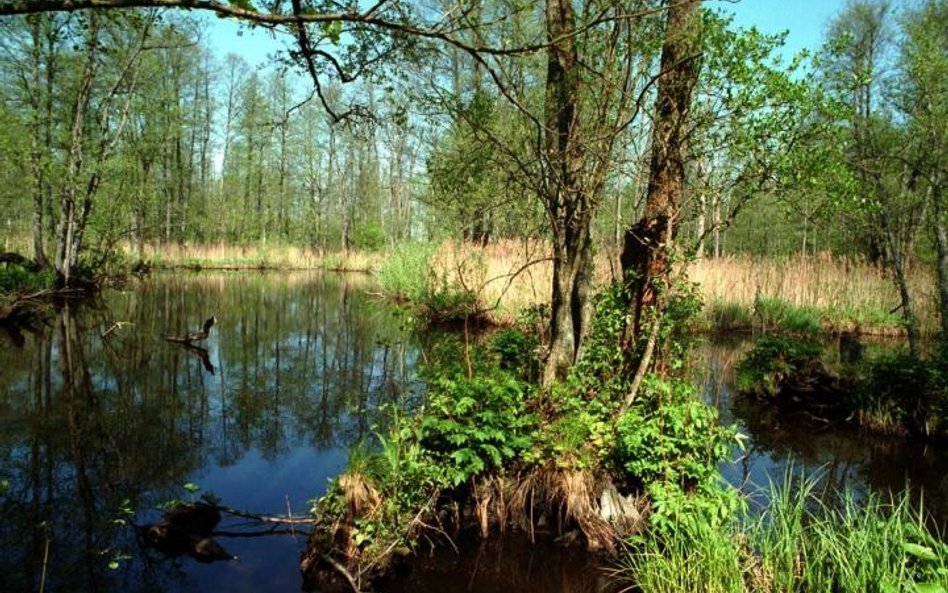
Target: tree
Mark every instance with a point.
(647, 249)
(95, 129)
(922, 98)
(881, 157)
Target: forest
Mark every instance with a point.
(598, 181)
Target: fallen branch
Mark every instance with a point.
(267, 518)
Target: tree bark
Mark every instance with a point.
(69, 215)
(941, 248)
(645, 253)
(567, 200)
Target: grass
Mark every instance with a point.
(797, 542)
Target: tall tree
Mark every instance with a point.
(95, 128)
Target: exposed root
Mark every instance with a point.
(574, 498)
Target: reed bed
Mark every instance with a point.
(862, 293)
(510, 277)
(223, 256)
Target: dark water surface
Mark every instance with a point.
(294, 373)
(840, 456)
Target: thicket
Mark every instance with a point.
(892, 393)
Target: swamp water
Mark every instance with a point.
(97, 417)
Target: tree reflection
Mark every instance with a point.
(93, 418)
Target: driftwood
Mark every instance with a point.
(195, 336)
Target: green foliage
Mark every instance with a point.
(727, 317)
(369, 236)
(516, 351)
(600, 370)
(476, 425)
(404, 274)
(671, 436)
(771, 360)
(17, 279)
(797, 542)
(408, 275)
(777, 314)
(671, 443)
(580, 435)
(901, 392)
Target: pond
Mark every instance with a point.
(98, 413)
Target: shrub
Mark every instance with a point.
(404, 274)
(773, 359)
(901, 392)
(516, 352)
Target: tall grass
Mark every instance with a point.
(798, 543)
(225, 256)
(845, 293)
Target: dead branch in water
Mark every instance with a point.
(267, 518)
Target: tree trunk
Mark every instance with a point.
(568, 203)
(69, 217)
(941, 247)
(645, 254)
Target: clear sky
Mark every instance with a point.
(804, 19)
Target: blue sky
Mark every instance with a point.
(804, 19)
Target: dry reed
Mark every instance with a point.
(510, 277)
(823, 282)
(224, 256)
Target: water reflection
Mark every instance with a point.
(843, 456)
(261, 413)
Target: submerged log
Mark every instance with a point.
(188, 530)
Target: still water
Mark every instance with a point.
(294, 372)
(99, 414)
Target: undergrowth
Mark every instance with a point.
(489, 440)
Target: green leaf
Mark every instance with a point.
(929, 588)
(921, 552)
(243, 5)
